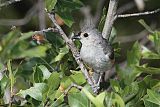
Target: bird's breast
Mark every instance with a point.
(95, 58)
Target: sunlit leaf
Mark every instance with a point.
(133, 56)
(154, 97)
(50, 4)
(149, 70)
(35, 92)
(78, 100)
(142, 22)
(45, 71)
(63, 51)
(38, 51)
(79, 75)
(65, 8)
(113, 99)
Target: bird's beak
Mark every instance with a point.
(76, 37)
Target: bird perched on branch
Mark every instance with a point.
(95, 51)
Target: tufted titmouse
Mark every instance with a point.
(95, 51)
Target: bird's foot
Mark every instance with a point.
(90, 71)
(77, 57)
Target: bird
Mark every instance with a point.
(95, 50)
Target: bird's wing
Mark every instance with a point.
(107, 48)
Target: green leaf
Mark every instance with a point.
(115, 85)
(150, 55)
(45, 71)
(39, 51)
(89, 95)
(11, 75)
(3, 83)
(25, 36)
(154, 97)
(7, 44)
(53, 81)
(149, 70)
(64, 9)
(63, 51)
(97, 101)
(50, 4)
(113, 35)
(150, 104)
(133, 56)
(79, 75)
(130, 91)
(102, 21)
(108, 99)
(37, 75)
(34, 92)
(113, 100)
(100, 99)
(156, 37)
(142, 22)
(78, 100)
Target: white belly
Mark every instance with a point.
(95, 58)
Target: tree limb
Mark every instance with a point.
(112, 9)
(19, 22)
(41, 14)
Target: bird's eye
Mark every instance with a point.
(85, 35)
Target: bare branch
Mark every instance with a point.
(41, 14)
(112, 9)
(47, 30)
(138, 14)
(19, 22)
(75, 52)
(9, 2)
(71, 86)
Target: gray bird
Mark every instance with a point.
(95, 51)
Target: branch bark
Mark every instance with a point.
(138, 14)
(75, 53)
(19, 22)
(41, 14)
(112, 9)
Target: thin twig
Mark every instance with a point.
(19, 22)
(47, 30)
(71, 86)
(112, 9)
(74, 51)
(9, 2)
(138, 14)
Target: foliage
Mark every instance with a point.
(39, 75)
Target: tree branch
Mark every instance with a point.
(71, 86)
(138, 14)
(41, 14)
(19, 22)
(112, 9)
(75, 53)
